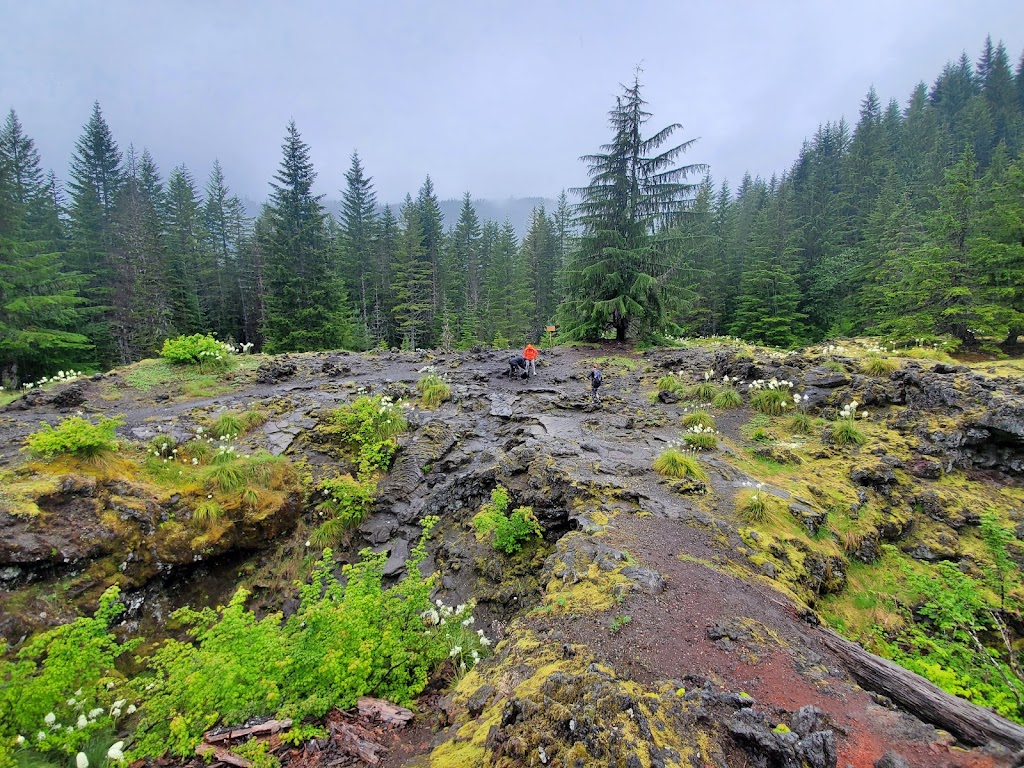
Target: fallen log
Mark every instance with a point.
(384, 711)
(224, 755)
(350, 740)
(270, 727)
(968, 722)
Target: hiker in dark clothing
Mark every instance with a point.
(595, 381)
(517, 367)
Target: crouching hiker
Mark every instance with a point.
(517, 367)
(595, 381)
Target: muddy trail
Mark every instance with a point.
(693, 617)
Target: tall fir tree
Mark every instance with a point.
(412, 286)
(357, 229)
(628, 254)
(185, 237)
(96, 179)
(306, 308)
(466, 263)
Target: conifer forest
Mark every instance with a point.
(905, 223)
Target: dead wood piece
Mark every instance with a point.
(352, 740)
(968, 722)
(269, 727)
(385, 711)
(224, 755)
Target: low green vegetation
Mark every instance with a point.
(727, 397)
(369, 428)
(698, 418)
(876, 365)
(76, 436)
(200, 350)
(346, 502)
(701, 438)
(672, 383)
(677, 463)
(703, 392)
(755, 505)
(433, 390)
(349, 638)
(771, 401)
(507, 532)
(619, 622)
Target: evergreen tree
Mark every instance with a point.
(185, 256)
(357, 229)
(306, 305)
(96, 179)
(432, 228)
(465, 262)
(412, 281)
(382, 320)
(40, 309)
(629, 250)
(540, 262)
(768, 304)
(507, 288)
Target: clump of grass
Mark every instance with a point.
(844, 432)
(876, 365)
(755, 505)
(727, 398)
(699, 418)
(226, 476)
(253, 418)
(701, 438)
(76, 437)
(703, 392)
(761, 435)
(671, 383)
(197, 449)
(835, 365)
(162, 446)
(771, 402)
(928, 353)
(433, 390)
(800, 423)
(227, 425)
(208, 511)
(676, 463)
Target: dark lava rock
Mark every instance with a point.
(668, 396)
(925, 468)
(812, 519)
(891, 760)
(645, 579)
(273, 371)
(70, 396)
(879, 476)
(824, 378)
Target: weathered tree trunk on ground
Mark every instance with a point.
(972, 724)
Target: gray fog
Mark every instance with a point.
(498, 98)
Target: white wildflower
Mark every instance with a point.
(40, 736)
(455, 651)
(115, 753)
(20, 740)
(83, 721)
(50, 718)
(94, 713)
(81, 761)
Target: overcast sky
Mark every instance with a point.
(498, 98)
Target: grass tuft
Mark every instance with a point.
(727, 398)
(876, 365)
(704, 392)
(755, 506)
(699, 418)
(676, 463)
(844, 432)
(433, 390)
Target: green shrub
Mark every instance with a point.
(727, 398)
(508, 532)
(676, 463)
(433, 390)
(201, 350)
(345, 504)
(349, 638)
(876, 365)
(699, 418)
(845, 432)
(369, 427)
(76, 437)
(162, 447)
(61, 675)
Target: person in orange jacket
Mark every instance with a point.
(531, 354)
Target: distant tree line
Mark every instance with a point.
(909, 223)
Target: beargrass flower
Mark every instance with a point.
(115, 753)
(50, 718)
(40, 736)
(83, 721)
(455, 651)
(81, 760)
